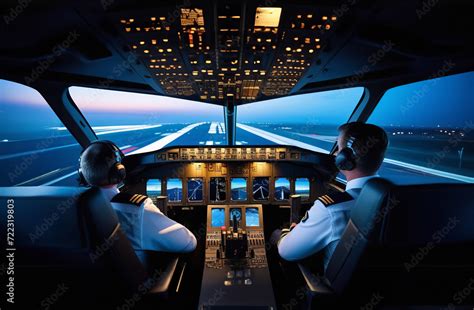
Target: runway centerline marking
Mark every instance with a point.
(166, 140)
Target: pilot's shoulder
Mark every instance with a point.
(335, 198)
(135, 199)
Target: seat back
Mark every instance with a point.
(50, 240)
(67, 238)
(109, 243)
(409, 241)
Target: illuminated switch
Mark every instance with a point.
(247, 273)
(248, 282)
(230, 274)
(227, 283)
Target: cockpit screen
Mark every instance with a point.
(252, 217)
(195, 189)
(260, 188)
(282, 189)
(174, 188)
(238, 188)
(302, 188)
(217, 189)
(217, 217)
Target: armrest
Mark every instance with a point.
(163, 278)
(317, 285)
(161, 268)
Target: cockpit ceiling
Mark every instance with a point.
(234, 53)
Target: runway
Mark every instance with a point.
(54, 160)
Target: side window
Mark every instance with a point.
(35, 147)
(430, 128)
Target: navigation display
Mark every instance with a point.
(217, 217)
(282, 189)
(238, 187)
(302, 188)
(260, 188)
(174, 189)
(252, 217)
(195, 189)
(218, 189)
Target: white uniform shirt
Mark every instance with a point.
(321, 228)
(148, 228)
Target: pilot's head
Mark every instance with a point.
(361, 149)
(101, 164)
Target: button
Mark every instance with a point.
(247, 273)
(248, 281)
(227, 283)
(230, 274)
(239, 274)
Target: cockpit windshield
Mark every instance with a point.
(141, 122)
(309, 121)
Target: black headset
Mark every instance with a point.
(116, 173)
(346, 159)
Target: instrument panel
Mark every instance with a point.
(230, 175)
(233, 190)
(229, 153)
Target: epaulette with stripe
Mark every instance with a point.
(334, 198)
(135, 199)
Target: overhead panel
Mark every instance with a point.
(300, 42)
(225, 50)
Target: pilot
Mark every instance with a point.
(361, 150)
(144, 224)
